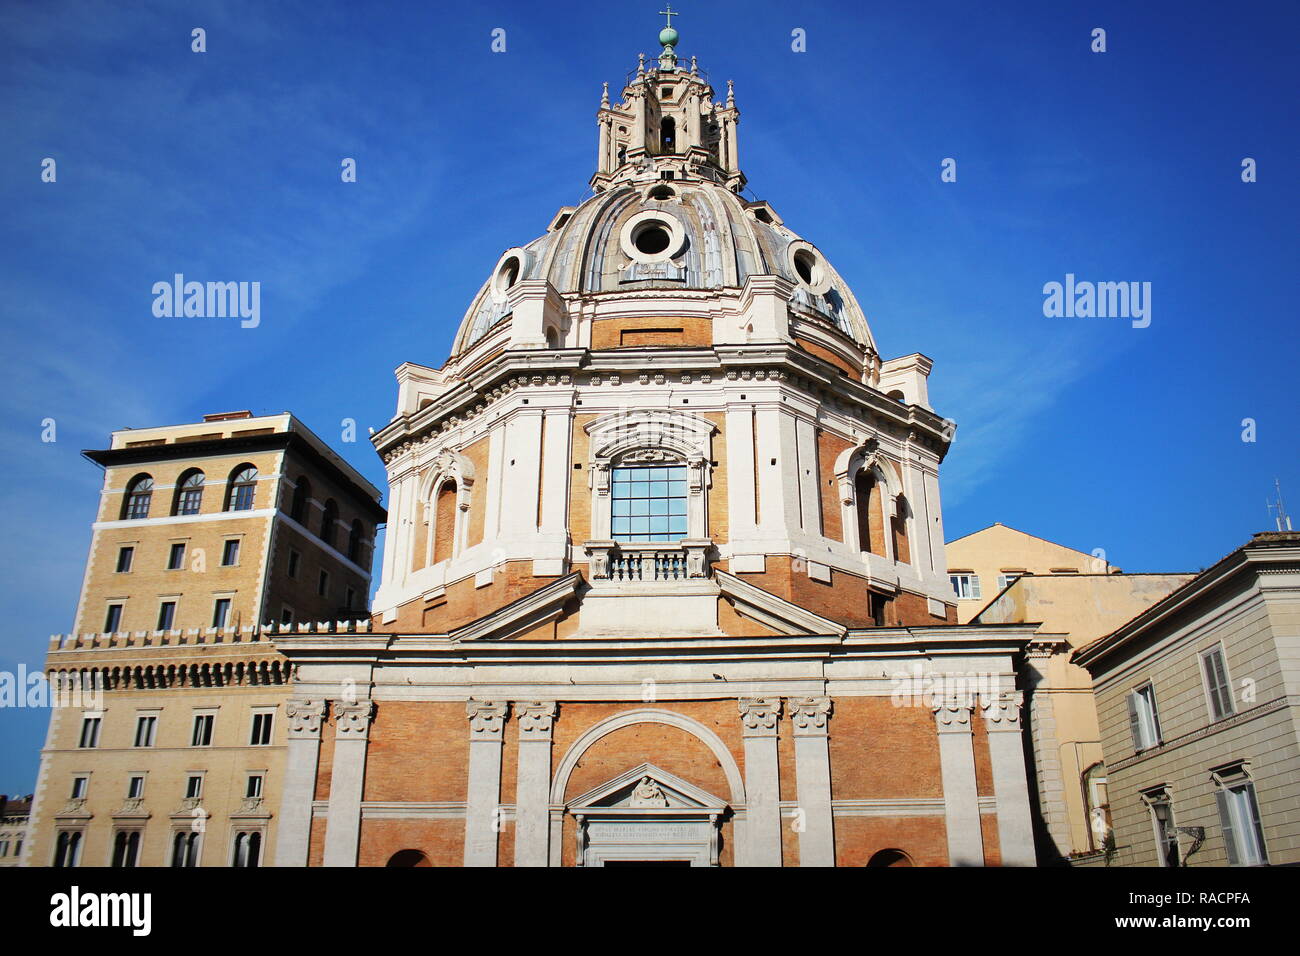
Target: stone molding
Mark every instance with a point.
(810, 715)
(953, 716)
(305, 717)
(1002, 713)
(760, 715)
(487, 719)
(536, 719)
(352, 721)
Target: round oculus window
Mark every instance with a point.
(809, 268)
(652, 237)
(508, 272)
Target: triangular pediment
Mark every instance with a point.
(544, 604)
(647, 787)
(781, 615)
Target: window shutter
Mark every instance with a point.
(1134, 723)
(1225, 820)
(975, 586)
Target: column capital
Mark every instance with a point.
(810, 715)
(953, 715)
(305, 717)
(352, 720)
(1003, 711)
(487, 718)
(760, 715)
(536, 718)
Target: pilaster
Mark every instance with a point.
(482, 814)
(347, 779)
(812, 771)
(960, 794)
(532, 790)
(760, 718)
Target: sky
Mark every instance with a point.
(224, 165)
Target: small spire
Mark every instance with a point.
(731, 94)
(640, 65)
(604, 95)
(694, 68)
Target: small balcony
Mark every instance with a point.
(617, 563)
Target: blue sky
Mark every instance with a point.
(1115, 166)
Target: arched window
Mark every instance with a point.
(890, 858)
(139, 493)
(67, 849)
(185, 848)
(189, 493)
(328, 520)
(444, 521)
(408, 858)
(898, 527)
(355, 540)
(243, 488)
(866, 493)
(1098, 802)
(248, 848)
(126, 848)
(668, 135)
(301, 501)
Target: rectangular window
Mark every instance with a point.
(1006, 579)
(202, 736)
(113, 619)
(1143, 717)
(648, 504)
(254, 788)
(261, 735)
(965, 586)
(89, 732)
(134, 788)
(176, 556)
(4, 847)
(146, 726)
(286, 616)
(230, 553)
(125, 556)
(79, 787)
(220, 612)
(166, 615)
(294, 558)
(1218, 690)
(323, 583)
(351, 599)
(1243, 837)
(194, 787)
(1166, 831)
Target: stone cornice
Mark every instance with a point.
(573, 368)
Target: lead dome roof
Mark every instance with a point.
(724, 242)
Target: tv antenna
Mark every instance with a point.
(1277, 509)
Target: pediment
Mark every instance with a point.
(542, 605)
(648, 788)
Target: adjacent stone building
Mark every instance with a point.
(1071, 804)
(664, 579)
(1197, 701)
(14, 820)
(166, 738)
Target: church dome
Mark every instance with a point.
(675, 234)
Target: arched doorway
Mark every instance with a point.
(408, 858)
(890, 858)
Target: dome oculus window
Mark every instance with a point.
(652, 237)
(507, 273)
(807, 265)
